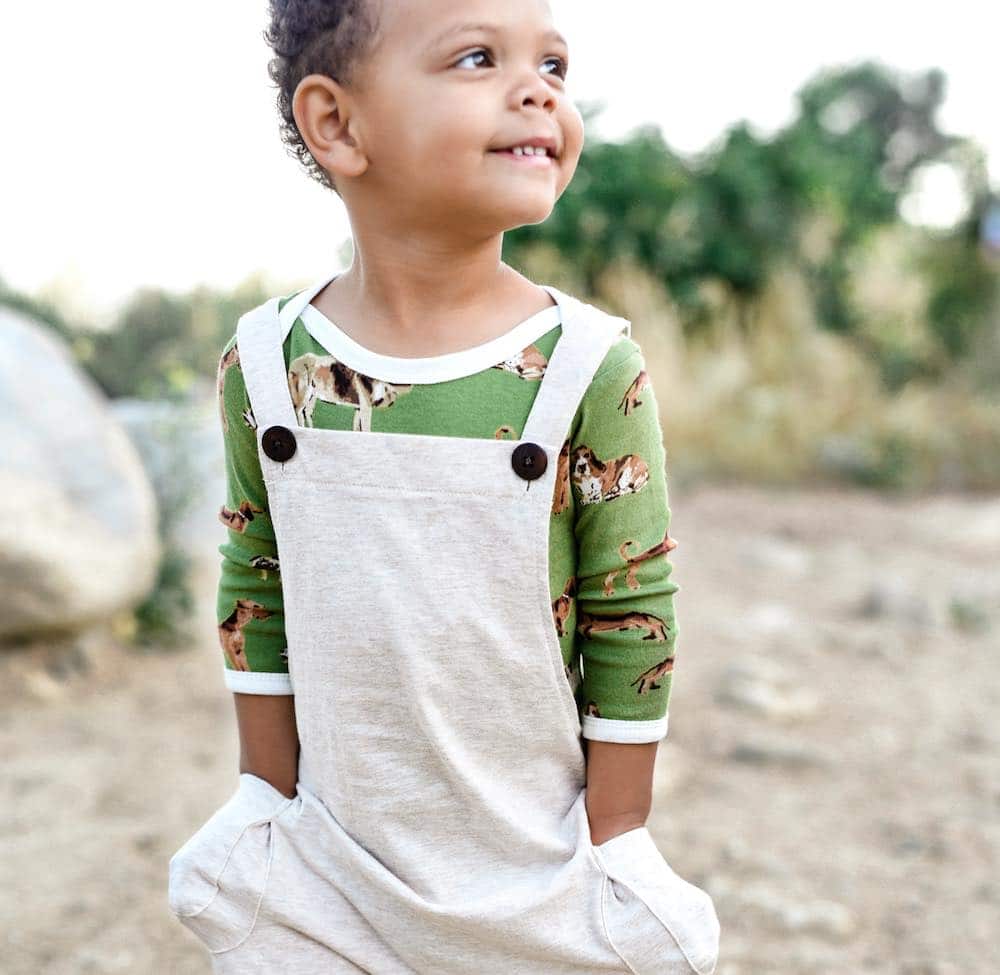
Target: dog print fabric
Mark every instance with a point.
(609, 571)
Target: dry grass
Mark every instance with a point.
(785, 401)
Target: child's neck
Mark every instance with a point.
(433, 327)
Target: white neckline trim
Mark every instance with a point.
(425, 369)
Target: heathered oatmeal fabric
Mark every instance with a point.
(439, 823)
(610, 584)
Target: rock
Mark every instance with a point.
(891, 597)
(825, 918)
(78, 538)
(886, 644)
(788, 558)
(762, 685)
(737, 854)
(971, 611)
(769, 618)
(932, 967)
(986, 892)
(976, 527)
(42, 687)
(782, 753)
(846, 456)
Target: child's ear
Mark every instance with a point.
(323, 112)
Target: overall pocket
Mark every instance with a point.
(218, 877)
(659, 923)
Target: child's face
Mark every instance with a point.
(431, 109)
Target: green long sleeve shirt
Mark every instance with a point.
(609, 573)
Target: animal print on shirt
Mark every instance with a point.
(562, 606)
(632, 564)
(231, 631)
(646, 681)
(529, 363)
(237, 520)
(658, 628)
(265, 563)
(228, 359)
(561, 493)
(314, 377)
(631, 398)
(599, 481)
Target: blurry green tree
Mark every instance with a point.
(816, 193)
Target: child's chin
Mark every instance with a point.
(508, 206)
(529, 211)
(514, 193)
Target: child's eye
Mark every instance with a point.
(563, 66)
(560, 72)
(471, 54)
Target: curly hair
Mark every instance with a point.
(329, 37)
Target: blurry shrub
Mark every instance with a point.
(162, 343)
(789, 403)
(161, 433)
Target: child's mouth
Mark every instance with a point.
(525, 159)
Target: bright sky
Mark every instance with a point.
(143, 149)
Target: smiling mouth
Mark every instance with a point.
(534, 160)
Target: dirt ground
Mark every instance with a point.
(831, 774)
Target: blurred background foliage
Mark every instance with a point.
(796, 326)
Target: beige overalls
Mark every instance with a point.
(440, 824)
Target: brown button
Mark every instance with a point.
(529, 461)
(278, 443)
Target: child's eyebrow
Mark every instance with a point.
(549, 35)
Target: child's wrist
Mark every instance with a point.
(603, 828)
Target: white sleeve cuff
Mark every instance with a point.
(248, 682)
(625, 732)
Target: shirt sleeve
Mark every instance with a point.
(625, 621)
(250, 606)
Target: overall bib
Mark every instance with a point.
(440, 825)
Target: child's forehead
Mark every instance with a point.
(435, 21)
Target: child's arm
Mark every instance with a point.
(625, 621)
(250, 608)
(269, 740)
(619, 786)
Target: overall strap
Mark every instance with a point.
(260, 339)
(588, 333)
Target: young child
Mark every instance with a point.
(445, 604)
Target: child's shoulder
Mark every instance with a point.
(292, 336)
(623, 350)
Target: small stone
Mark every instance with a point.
(825, 918)
(775, 553)
(781, 753)
(761, 685)
(43, 687)
(893, 598)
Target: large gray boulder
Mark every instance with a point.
(78, 515)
